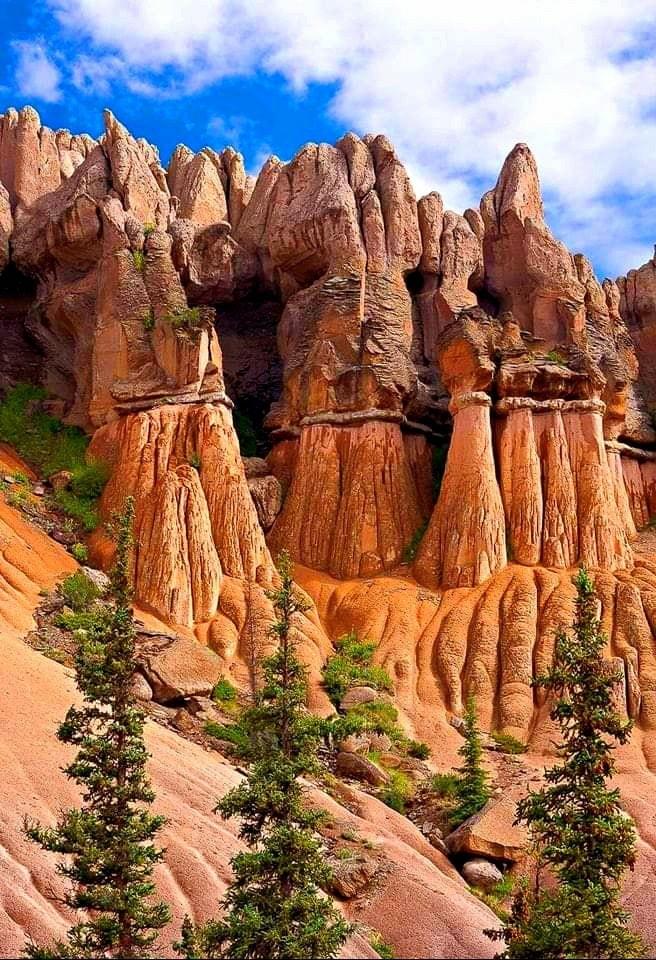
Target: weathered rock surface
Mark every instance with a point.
(481, 873)
(355, 767)
(176, 668)
(490, 833)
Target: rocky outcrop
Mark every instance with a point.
(375, 331)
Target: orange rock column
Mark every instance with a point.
(353, 504)
(603, 542)
(466, 541)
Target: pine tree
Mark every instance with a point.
(473, 789)
(576, 824)
(108, 839)
(274, 907)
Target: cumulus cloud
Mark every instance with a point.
(36, 75)
(453, 85)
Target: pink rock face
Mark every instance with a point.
(531, 273)
(6, 224)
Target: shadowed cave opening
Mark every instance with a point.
(21, 358)
(252, 366)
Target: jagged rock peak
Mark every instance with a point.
(518, 186)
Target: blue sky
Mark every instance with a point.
(453, 86)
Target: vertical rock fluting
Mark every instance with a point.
(560, 496)
(465, 541)
(192, 523)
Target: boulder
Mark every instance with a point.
(267, 497)
(491, 832)
(98, 578)
(140, 688)
(177, 668)
(61, 480)
(481, 873)
(350, 877)
(357, 695)
(359, 768)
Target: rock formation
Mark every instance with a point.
(363, 332)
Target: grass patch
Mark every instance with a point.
(44, 442)
(80, 552)
(148, 229)
(498, 896)
(224, 691)
(555, 356)
(507, 743)
(139, 260)
(79, 591)
(183, 318)
(233, 733)
(382, 947)
(351, 666)
(445, 785)
(418, 749)
(52, 653)
(398, 791)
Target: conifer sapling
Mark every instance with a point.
(274, 907)
(108, 839)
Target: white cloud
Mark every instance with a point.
(453, 85)
(36, 74)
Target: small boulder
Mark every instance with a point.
(357, 695)
(492, 832)
(61, 480)
(98, 578)
(481, 873)
(255, 467)
(38, 490)
(140, 688)
(178, 668)
(350, 877)
(184, 722)
(266, 494)
(359, 768)
(354, 743)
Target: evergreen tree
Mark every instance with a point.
(473, 789)
(274, 907)
(108, 839)
(576, 824)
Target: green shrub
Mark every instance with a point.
(233, 733)
(16, 498)
(148, 229)
(139, 260)
(445, 784)
(418, 749)
(49, 446)
(382, 948)
(21, 478)
(149, 320)
(194, 461)
(88, 480)
(187, 318)
(497, 896)
(351, 666)
(80, 552)
(224, 691)
(80, 509)
(555, 356)
(508, 743)
(398, 791)
(410, 549)
(78, 591)
(84, 620)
